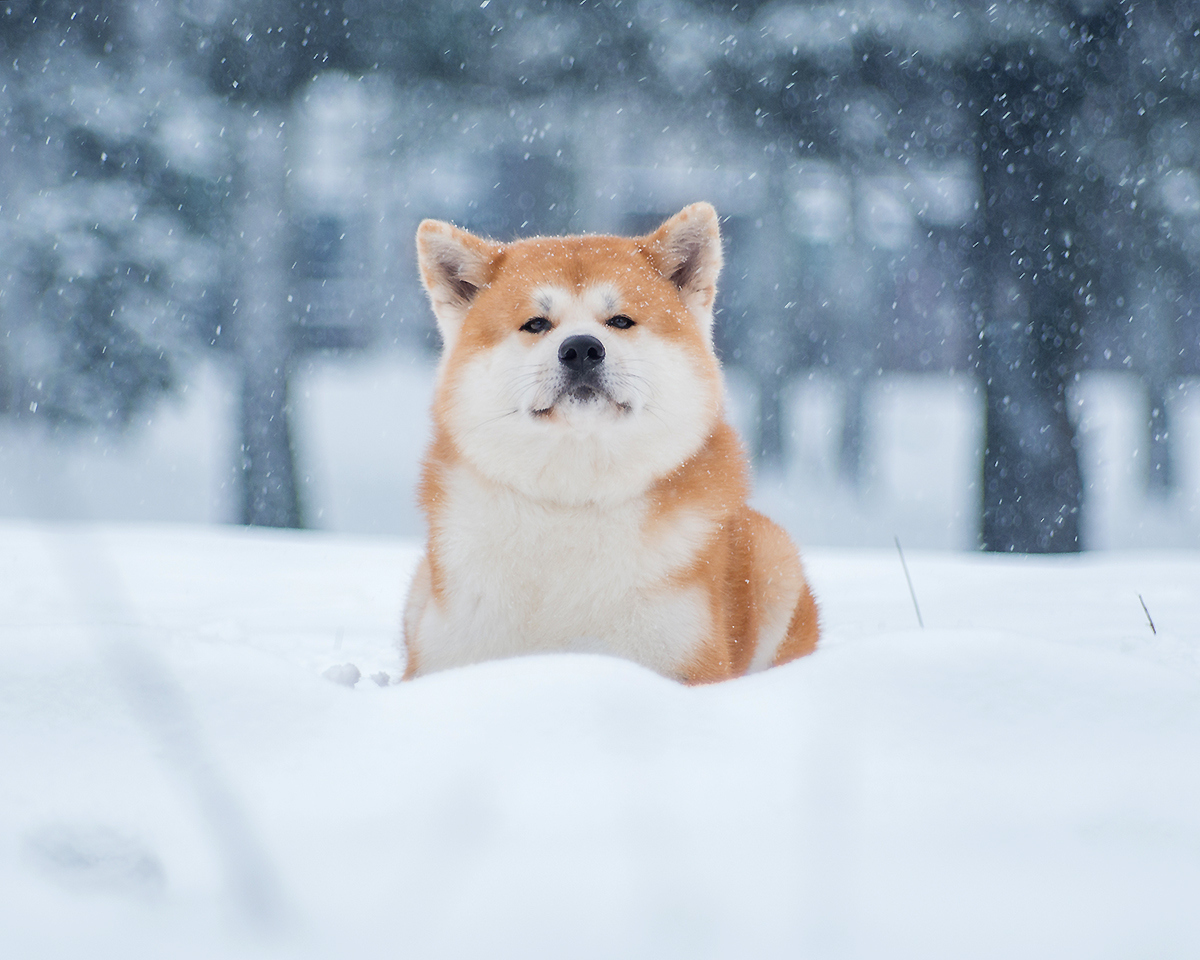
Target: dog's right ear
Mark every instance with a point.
(454, 266)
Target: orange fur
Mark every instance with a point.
(519, 498)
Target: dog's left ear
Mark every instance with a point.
(687, 251)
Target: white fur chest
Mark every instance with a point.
(519, 576)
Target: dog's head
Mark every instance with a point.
(577, 368)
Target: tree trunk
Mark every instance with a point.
(771, 341)
(1031, 482)
(1157, 303)
(1032, 490)
(262, 327)
(1160, 478)
(851, 447)
(770, 451)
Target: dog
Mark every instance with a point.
(583, 489)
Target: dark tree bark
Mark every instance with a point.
(772, 347)
(770, 447)
(1032, 490)
(851, 448)
(1160, 477)
(262, 329)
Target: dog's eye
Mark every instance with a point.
(536, 325)
(620, 321)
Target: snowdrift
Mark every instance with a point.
(186, 771)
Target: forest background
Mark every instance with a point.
(961, 237)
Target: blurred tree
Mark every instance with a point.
(1141, 150)
(148, 207)
(256, 56)
(105, 250)
(1023, 93)
(875, 82)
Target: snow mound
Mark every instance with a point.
(188, 771)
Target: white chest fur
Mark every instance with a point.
(521, 576)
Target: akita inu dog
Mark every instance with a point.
(583, 489)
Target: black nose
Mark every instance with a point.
(580, 353)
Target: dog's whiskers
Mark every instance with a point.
(492, 420)
(536, 388)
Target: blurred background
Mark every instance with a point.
(960, 305)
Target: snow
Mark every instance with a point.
(187, 773)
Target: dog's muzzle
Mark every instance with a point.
(581, 374)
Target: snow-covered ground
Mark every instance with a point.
(183, 774)
(181, 777)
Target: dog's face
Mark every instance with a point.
(576, 369)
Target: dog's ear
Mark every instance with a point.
(454, 265)
(687, 251)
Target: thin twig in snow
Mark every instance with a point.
(910, 586)
(1148, 617)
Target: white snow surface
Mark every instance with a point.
(187, 771)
